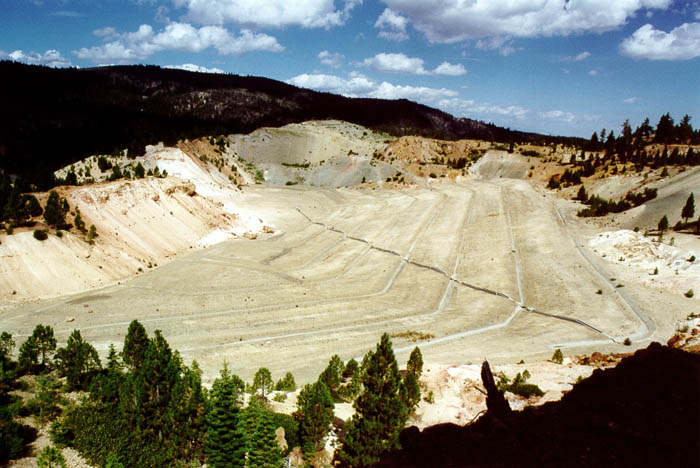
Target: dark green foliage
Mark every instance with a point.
(11, 432)
(315, 414)
(637, 199)
(150, 416)
(557, 357)
(139, 171)
(581, 195)
(55, 212)
(415, 362)
(262, 381)
(286, 383)
(663, 224)
(380, 412)
(92, 234)
(116, 173)
(39, 345)
(291, 429)
(78, 362)
(410, 392)
(135, 345)
(44, 404)
(226, 442)
(51, 457)
(40, 234)
(331, 376)
(7, 344)
(263, 450)
(104, 164)
(519, 385)
(553, 183)
(350, 369)
(78, 221)
(688, 210)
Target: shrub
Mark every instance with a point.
(627, 342)
(557, 357)
(519, 385)
(40, 234)
(689, 293)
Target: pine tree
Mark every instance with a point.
(331, 375)
(315, 414)
(689, 208)
(263, 450)
(78, 359)
(54, 214)
(262, 381)
(45, 342)
(380, 414)
(415, 362)
(78, 221)
(226, 441)
(135, 345)
(582, 196)
(663, 224)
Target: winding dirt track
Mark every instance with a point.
(487, 267)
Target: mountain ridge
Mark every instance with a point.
(55, 116)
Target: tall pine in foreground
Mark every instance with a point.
(380, 413)
(226, 441)
(688, 210)
(263, 450)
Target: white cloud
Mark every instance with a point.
(400, 63)
(334, 60)
(448, 21)
(358, 85)
(392, 26)
(108, 33)
(558, 115)
(144, 42)
(503, 44)
(194, 68)
(632, 100)
(450, 69)
(468, 107)
(593, 72)
(577, 58)
(396, 63)
(269, 13)
(68, 14)
(682, 43)
(50, 58)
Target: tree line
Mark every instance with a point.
(145, 407)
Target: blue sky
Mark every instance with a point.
(566, 67)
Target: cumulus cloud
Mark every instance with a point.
(593, 72)
(50, 58)
(396, 63)
(448, 21)
(334, 60)
(632, 100)
(400, 63)
(468, 107)
(392, 26)
(358, 85)
(682, 43)
(577, 58)
(144, 42)
(194, 68)
(269, 13)
(450, 69)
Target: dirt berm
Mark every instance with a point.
(644, 412)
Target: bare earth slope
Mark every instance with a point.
(492, 267)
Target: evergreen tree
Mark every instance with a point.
(315, 414)
(410, 391)
(51, 457)
(226, 441)
(581, 195)
(45, 342)
(54, 214)
(331, 375)
(28, 354)
(135, 345)
(665, 129)
(663, 224)
(688, 210)
(263, 450)
(380, 414)
(92, 234)
(262, 381)
(78, 221)
(415, 363)
(350, 369)
(77, 361)
(286, 383)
